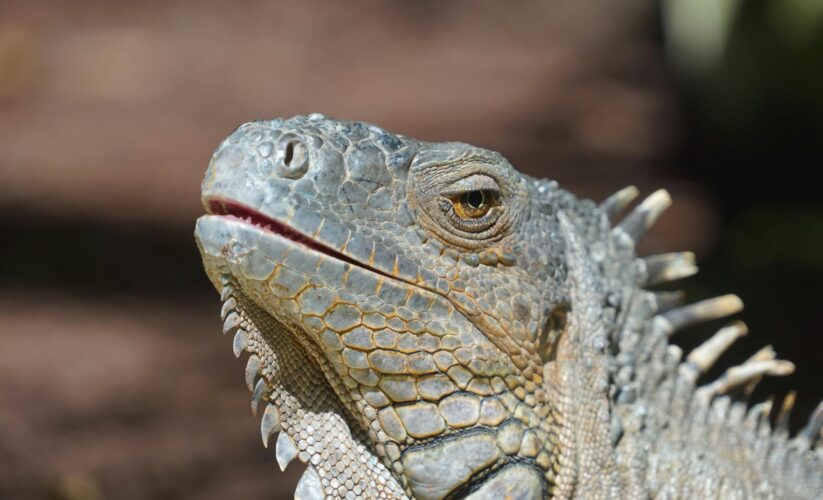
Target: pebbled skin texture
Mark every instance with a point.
(406, 345)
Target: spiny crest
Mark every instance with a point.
(673, 317)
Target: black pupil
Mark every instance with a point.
(475, 199)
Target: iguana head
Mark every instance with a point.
(399, 300)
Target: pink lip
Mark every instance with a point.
(236, 211)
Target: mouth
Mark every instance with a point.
(238, 212)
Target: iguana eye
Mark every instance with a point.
(467, 204)
(473, 204)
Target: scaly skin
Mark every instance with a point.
(426, 322)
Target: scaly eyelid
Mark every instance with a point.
(477, 182)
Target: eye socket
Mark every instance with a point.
(473, 204)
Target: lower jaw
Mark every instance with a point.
(303, 402)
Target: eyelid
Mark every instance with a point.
(475, 225)
(477, 182)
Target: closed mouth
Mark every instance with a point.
(238, 212)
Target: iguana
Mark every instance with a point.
(423, 321)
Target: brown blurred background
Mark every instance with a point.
(114, 379)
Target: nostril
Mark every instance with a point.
(292, 157)
(289, 154)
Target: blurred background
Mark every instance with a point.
(114, 379)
